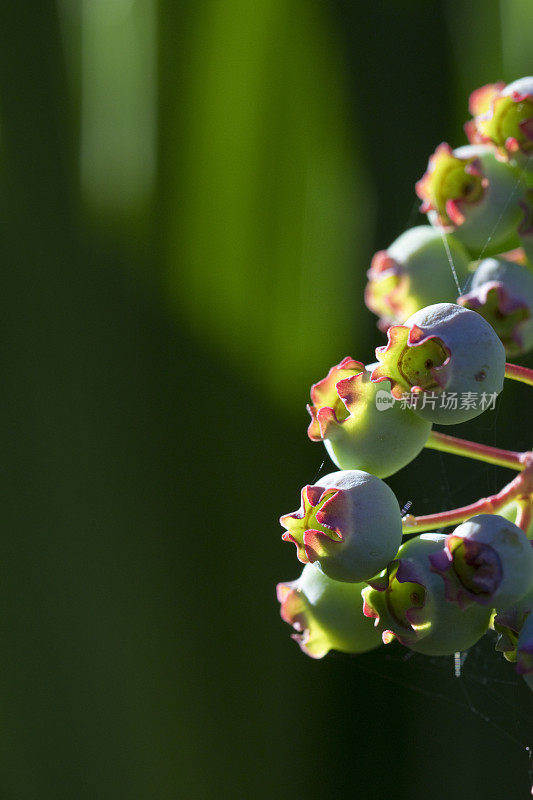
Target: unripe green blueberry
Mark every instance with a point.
(349, 524)
(486, 560)
(502, 292)
(327, 614)
(361, 424)
(408, 603)
(414, 272)
(470, 192)
(503, 116)
(448, 359)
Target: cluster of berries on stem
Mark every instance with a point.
(455, 299)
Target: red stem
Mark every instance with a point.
(516, 373)
(519, 487)
(525, 513)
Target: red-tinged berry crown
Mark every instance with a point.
(450, 184)
(503, 116)
(330, 399)
(349, 524)
(397, 601)
(312, 528)
(474, 194)
(410, 361)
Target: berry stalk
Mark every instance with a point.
(525, 513)
(480, 452)
(520, 487)
(517, 373)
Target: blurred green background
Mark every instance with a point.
(191, 194)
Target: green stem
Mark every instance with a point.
(516, 373)
(481, 452)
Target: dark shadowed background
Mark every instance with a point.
(191, 194)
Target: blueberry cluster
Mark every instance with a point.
(448, 334)
(478, 199)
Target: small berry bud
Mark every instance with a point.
(361, 424)
(327, 614)
(349, 524)
(448, 358)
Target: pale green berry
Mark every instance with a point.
(408, 603)
(414, 272)
(361, 424)
(326, 614)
